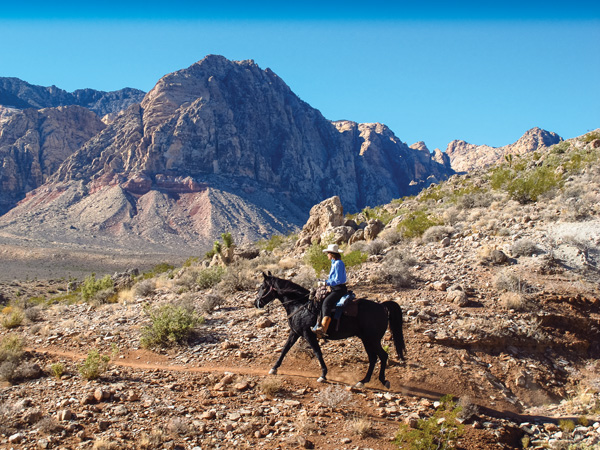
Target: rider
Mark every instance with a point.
(337, 283)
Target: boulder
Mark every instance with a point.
(373, 228)
(323, 218)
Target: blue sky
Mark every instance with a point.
(433, 71)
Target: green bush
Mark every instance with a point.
(90, 286)
(529, 187)
(271, 244)
(57, 370)
(94, 365)
(227, 239)
(416, 223)
(170, 325)
(591, 136)
(354, 258)
(209, 277)
(11, 348)
(12, 317)
(441, 431)
(526, 186)
(316, 259)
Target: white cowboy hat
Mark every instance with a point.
(333, 248)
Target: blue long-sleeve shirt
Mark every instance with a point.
(337, 274)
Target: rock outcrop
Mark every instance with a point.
(33, 144)
(236, 132)
(18, 94)
(465, 157)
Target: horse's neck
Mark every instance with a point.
(290, 304)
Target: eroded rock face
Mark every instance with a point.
(323, 218)
(18, 94)
(233, 128)
(465, 157)
(33, 144)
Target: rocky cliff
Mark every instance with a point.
(33, 144)
(227, 134)
(465, 157)
(18, 94)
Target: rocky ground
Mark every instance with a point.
(501, 311)
(518, 373)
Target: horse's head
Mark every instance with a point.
(266, 292)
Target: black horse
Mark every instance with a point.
(369, 326)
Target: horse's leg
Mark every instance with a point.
(383, 357)
(372, 354)
(292, 338)
(311, 338)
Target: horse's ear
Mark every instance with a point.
(264, 275)
(270, 274)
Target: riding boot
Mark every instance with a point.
(322, 330)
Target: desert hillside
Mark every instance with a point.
(497, 276)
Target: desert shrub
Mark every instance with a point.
(33, 314)
(57, 370)
(398, 274)
(566, 425)
(11, 348)
(316, 259)
(354, 258)
(441, 431)
(400, 256)
(437, 233)
(525, 247)
(377, 213)
(591, 136)
(362, 427)
(526, 186)
(209, 302)
(271, 244)
(12, 317)
(416, 223)
(239, 276)
(391, 236)
(467, 409)
(145, 288)
(334, 397)
(105, 444)
(271, 386)
(508, 280)
(209, 277)
(90, 286)
(305, 276)
(375, 247)
(153, 440)
(8, 371)
(103, 296)
(170, 325)
(94, 365)
(513, 300)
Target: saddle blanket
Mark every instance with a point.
(347, 306)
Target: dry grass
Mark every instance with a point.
(513, 300)
(334, 397)
(271, 386)
(361, 427)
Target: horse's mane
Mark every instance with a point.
(289, 287)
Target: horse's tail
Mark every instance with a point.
(395, 315)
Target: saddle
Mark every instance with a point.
(347, 306)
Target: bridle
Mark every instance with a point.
(264, 296)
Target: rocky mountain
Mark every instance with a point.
(33, 144)
(465, 157)
(18, 94)
(221, 145)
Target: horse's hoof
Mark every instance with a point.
(321, 380)
(386, 384)
(359, 385)
(273, 372)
